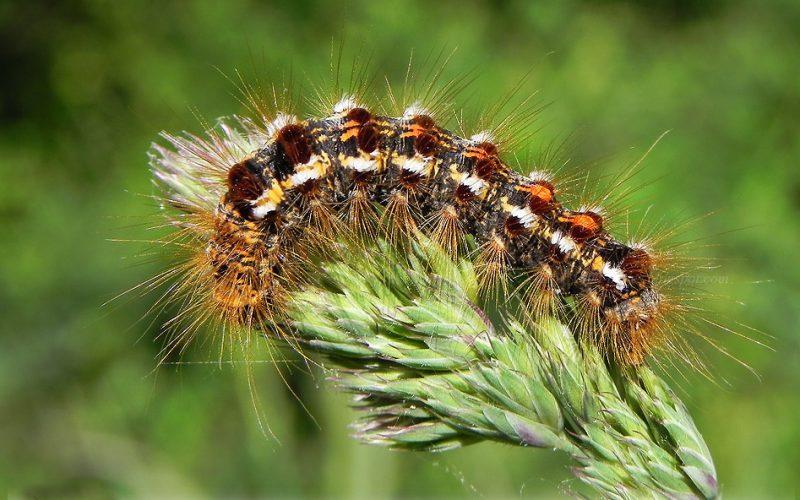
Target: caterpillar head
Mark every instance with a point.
(243, 284)
(632, 310)
(251, 268)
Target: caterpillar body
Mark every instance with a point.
(271, 193)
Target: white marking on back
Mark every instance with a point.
(363, 165)
(307, 171)
(615, 274)
(261, 211)
(524, 215)
(564, 242)
(414, 165)
(268, 201)
(474, 183)
(304, 176)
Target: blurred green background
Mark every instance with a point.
(87, 86)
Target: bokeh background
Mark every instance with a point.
(87, 85)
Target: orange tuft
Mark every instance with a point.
(584, 225)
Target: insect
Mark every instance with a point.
(256, 199)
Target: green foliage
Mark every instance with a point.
(430, 371)
(88, 85)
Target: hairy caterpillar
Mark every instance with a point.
(258, 198)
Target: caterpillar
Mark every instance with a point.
(257, 198)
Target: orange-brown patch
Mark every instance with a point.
(584, 225)
(481, 150)
(357, 116)
(353, 123)
(637, 263)
(487, 163)
(423, 121)
(542, 195)
(420, 124)
(488, 148)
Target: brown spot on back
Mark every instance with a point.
(464, 193)
(488, 148)
(368, 137)
(487, 163)
(359, 116)
(637, 264)
(423, 121)
(296, 143)
(486, 167)
(426, 144)
(243, 183)
(513, 226)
